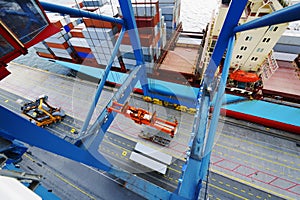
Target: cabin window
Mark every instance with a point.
(239, 57)
(266, 40)
(260, 50)
(254, 59)
(248, 38)
(271, 28)
(243, 48)
(213, 43)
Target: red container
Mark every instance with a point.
(98, 23)
(45, 55)
(64, 45)
(82, 49)
(77, 33)
(147, 21)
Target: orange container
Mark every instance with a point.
(64, 45)
(45, 55)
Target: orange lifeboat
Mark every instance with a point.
(243, 76)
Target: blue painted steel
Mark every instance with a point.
(131, 27)
(14, 126)
(234, 13)
(102, 82)
(189, 181)
(14, 151)
(79, 13)
(219, 98)
(287, 14)
(216, 112)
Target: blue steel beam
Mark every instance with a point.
(104, 120)
(102, 82)
(79, 13)
(131, 27)
(287, 14)
(12, 126)
(233, 16)
(206, 152)
(190, 182)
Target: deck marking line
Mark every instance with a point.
(74, 186)
(251, 184)
(271, 161)
(226, 191)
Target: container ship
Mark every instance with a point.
(176, 63)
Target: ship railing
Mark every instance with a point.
(270, 66)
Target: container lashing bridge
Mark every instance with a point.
(86, 151)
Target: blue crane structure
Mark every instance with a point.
(85, 150)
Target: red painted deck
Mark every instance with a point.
(181, 60)
(284, 82)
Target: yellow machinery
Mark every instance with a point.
(41, 113)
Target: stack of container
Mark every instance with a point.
(100, 36)
(147, 15)
(171, 11)
(58, 46)
(43, 50)
(81, 46)
(91, 42)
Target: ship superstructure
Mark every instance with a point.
(252, 57)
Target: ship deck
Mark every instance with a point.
(180, 60)
(245, 163)
(284, 82)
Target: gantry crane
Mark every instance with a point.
(202, 136)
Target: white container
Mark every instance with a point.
(42, 50)
(167, 10)
(97, 43)
(124, 48)
(40, 45)
(129, 61)
(98, 33)
(79, 42)
(141, 10)
(62, 51)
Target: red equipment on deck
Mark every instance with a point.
(141, 116)
(243, 76)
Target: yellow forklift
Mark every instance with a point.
(41, 113)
